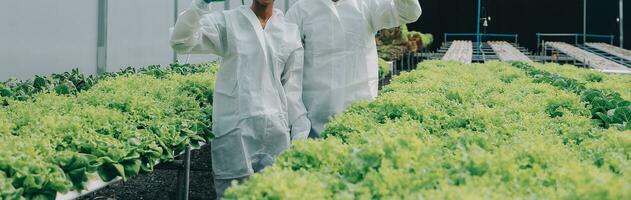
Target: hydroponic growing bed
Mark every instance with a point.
(447, 130)
(68, 133)
(455, 131)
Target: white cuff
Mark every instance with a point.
(300, 129)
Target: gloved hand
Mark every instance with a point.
(202, 4)
(300, 129)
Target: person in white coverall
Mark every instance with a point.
(257, 102)
(341, 65)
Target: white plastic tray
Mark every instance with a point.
(95, 183)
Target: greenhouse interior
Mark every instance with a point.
(315, 99)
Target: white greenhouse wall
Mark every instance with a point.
(41, 37)
(138, 33)
(44, 37)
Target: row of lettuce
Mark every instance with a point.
(608, 107)
(73, 82)
(53, 140)
(455, 131)
(593, 80)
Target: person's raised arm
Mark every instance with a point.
(197, 31)
(392, 13)
(292, 83)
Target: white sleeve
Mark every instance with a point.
(294, 16)
(292, 83)
(392, 13)
(197, 31)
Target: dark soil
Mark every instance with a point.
(162, 184)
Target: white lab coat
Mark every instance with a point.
(340, 52)
(258, 88)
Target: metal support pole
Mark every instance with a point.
(405, 63)
(621, 25)
(187, 172)
(226, 5)
(611, 39)
(391, 66)
(478, 25)
(101, 44)
(413, 61)
(516, 39)
(545, 54)
(395, 64)
(538, 43)
(445, 41)
(176, 12)
(286, 5)
(410, 56)
(184, 176)
(584, 21)
(409, 63)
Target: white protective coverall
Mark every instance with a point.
(340, 50)
(258, 91)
